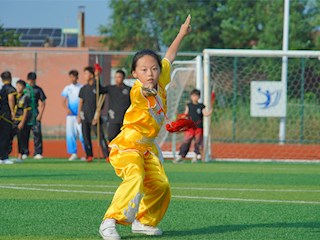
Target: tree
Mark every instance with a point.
(8, 38)
(260, 23)
(138, 24)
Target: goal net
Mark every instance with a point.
(183, 81)
(267, 104)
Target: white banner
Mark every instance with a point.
(268, 99)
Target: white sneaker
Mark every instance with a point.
(108, 230)
(1, 161)
(196, 158)
(24, 156)
(178, 159)
(38, 156)
(138, 227)
(7, 161)
(73, 157)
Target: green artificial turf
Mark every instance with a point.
(58, 199)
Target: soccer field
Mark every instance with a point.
(58, 199)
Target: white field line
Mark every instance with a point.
(175, 188)
(174, 196)
(55, 190)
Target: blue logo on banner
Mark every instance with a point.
(272, 98)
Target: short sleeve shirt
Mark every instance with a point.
(88, 95)
(38, 95)
(71, 92)
(22, 104)
(195, 113)
(6, 90)
(119, 101)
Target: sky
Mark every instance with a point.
(54, 14)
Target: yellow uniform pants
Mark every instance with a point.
(144, 193)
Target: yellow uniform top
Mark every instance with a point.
(144, 118)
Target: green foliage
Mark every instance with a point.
(8, 38)
(138, 24)
(152, 24)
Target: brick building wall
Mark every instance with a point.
(52, 66)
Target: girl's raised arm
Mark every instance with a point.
(173, 49)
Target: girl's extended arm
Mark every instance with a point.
(173, 49)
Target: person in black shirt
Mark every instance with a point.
(119, 101)
(195, 111)
(86, 111)
(34, 123)
(21, 113)
(7, 95)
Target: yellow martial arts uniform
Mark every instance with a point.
(144, 193)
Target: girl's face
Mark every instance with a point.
(147, 70)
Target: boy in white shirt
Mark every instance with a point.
(70, 103)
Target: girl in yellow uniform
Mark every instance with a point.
(144, 195)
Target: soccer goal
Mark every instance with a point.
(266, 104)
(185, 76)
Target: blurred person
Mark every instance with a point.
(7, 103)
(70, 103)
(38, 104)
(195, 111)
(119, 101)
(86, 111)
(21, 114)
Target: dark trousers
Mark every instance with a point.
(113, 130)
(6, 131)
(37, 137)
(189, 135)
(86, 132)
(22, 138)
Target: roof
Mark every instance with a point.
(37, 37)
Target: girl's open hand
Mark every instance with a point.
(186, 26)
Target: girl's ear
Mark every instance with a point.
(134, 74)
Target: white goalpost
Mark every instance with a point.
(236, 66)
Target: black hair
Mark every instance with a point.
(142, 53)
(6, 76)
(32, 76)
(22, 83)
(121, 72)
(74, 73)
(196, 92)
(89, 69)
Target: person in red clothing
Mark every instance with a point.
(195, 111)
